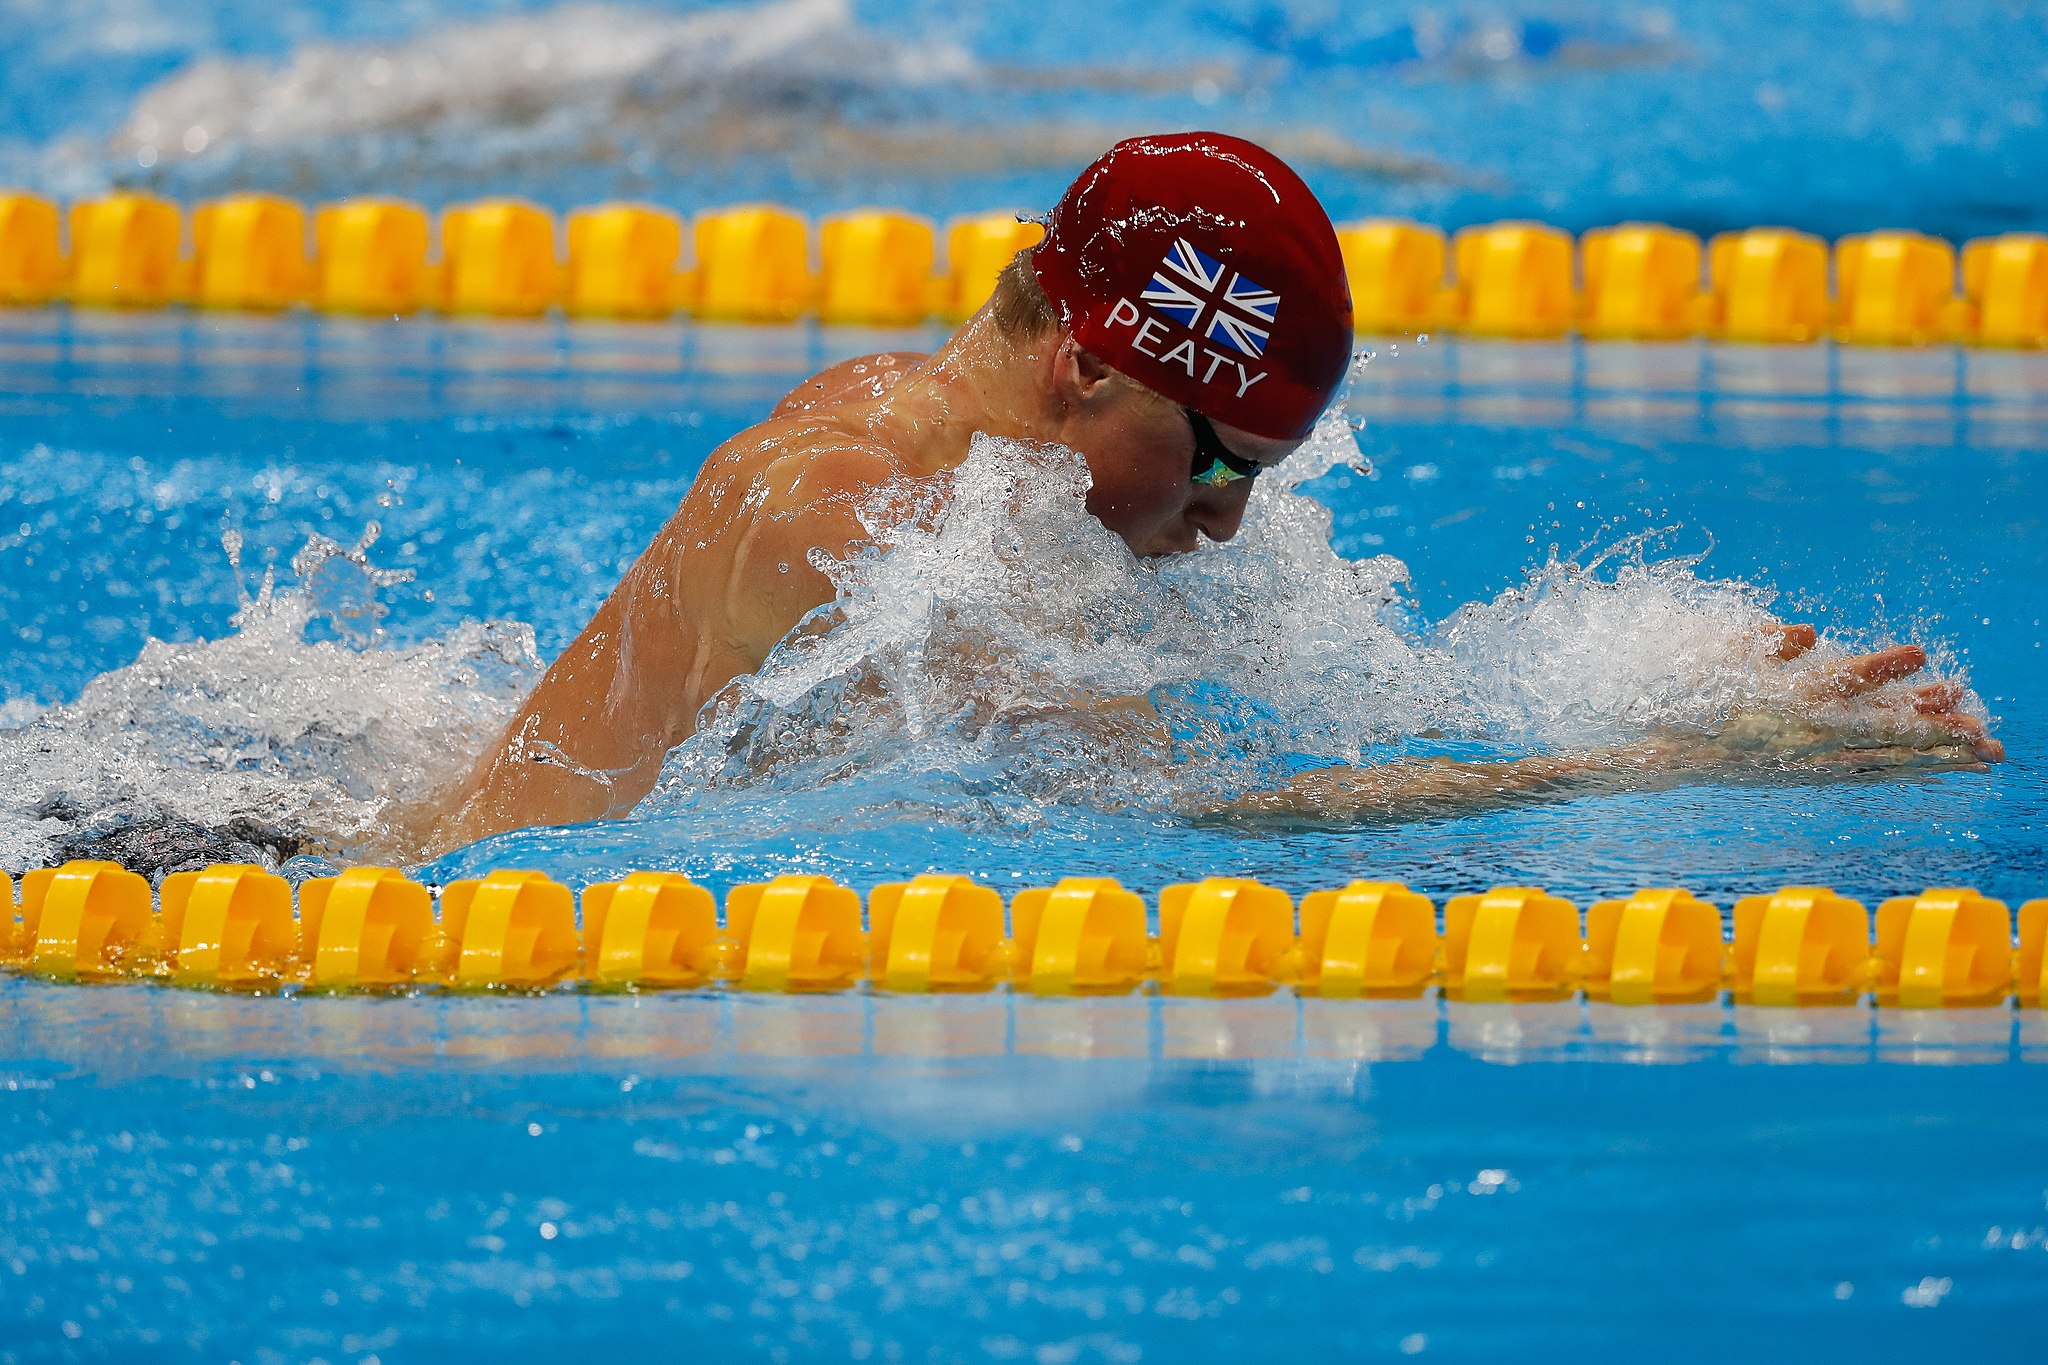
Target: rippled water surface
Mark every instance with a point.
(1834, 116)
(191, 1177)
(304, 566)
(196, 1177)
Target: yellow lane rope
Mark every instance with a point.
(241, 927)
(763, 263)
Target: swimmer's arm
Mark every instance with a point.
(773, 582)
(1886, 731)
(726, 579)
(1441, 780)
(1432, 789)
(588, 739)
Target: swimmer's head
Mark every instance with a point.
(1200, 266)
(1204, 323)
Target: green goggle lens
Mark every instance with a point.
(1215, 464)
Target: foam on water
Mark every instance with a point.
(1833, 119)
(1010, 649)
(997, 659)
(532, 83)
(593, 98)
(330, 739)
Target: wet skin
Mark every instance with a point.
(1885, 730)
(735, 570)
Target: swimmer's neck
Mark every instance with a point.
(979, 381)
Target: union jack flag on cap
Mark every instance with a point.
(1191, 285)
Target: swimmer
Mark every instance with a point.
(1182, 325)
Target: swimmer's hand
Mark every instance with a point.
(1863, 725)
(1865, 707)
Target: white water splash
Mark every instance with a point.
(593, 98)
(993, 658)
(331, 740)
(531, 84)
(981, 649)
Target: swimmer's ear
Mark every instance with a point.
(1078, 376)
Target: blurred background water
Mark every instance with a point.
(1832, 116)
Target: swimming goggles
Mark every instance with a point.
(1216, 465)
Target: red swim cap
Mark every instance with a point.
(1202, 267)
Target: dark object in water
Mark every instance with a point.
(155, 842)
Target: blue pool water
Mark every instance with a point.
(439, 506)
(516, 470)
(205, 1177)
(1833, 116)
(878, 1179)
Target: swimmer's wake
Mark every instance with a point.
(979, 651)
(968, 673)
(254, 746)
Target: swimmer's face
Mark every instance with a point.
(1140, 449)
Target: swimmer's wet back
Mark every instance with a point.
(1144, 334)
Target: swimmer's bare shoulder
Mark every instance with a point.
(728, 576)
(737, 557)
(859, 379)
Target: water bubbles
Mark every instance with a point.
(343, 585)
(1003, 653)
(333, 740)
(1928, 1293)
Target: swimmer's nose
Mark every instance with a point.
(1217, 517)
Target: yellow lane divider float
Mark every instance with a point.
(237, 927)
(763, 263)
